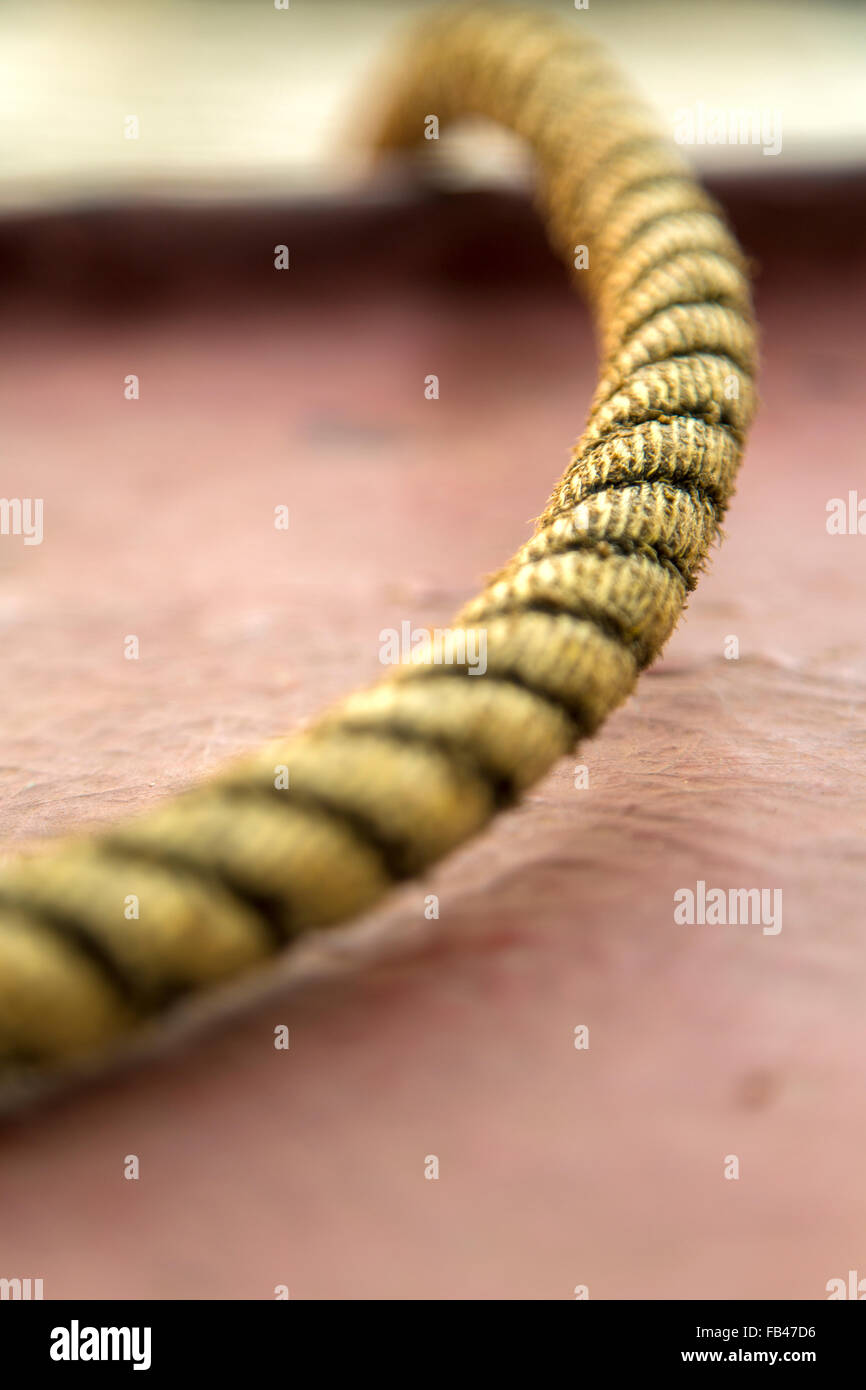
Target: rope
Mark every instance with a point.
(396, 776)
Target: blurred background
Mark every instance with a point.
(237, 99)
(153, 256)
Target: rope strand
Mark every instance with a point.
(396, 776)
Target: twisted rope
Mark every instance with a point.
(397, 776)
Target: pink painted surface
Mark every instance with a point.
(452, 1037)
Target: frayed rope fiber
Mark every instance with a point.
(395, 777)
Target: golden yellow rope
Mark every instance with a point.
(396, 776)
